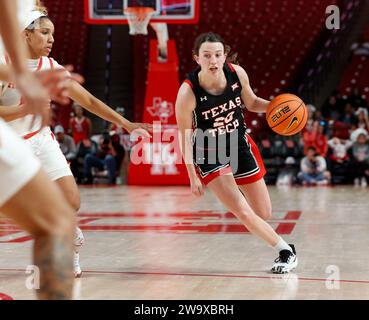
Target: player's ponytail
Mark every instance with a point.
(40, 7)
(214, 37)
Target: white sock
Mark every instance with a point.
(282, 245)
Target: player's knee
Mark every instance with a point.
(57, 221)
(266, 213)
(241, 212)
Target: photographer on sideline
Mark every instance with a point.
(105, 158)
(314, 169)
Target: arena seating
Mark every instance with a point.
(70, 45)
(356, 73)
(70, 32)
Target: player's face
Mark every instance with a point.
(361, 139)
(310, 154)
(79, 111)
(40, 41)
(211, 57)
(60, 136)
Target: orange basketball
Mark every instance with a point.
(286, 114)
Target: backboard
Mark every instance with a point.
(168, 11)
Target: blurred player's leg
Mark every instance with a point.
(38, 206)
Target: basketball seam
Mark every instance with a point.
(288, 116)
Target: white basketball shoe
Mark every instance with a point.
(78, 242)
(286, 261)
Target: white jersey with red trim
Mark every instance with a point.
(11, 97)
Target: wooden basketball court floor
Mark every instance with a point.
(163, 243)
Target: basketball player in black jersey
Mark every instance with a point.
(215, 146)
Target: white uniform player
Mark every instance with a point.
(26, 193)
(18, 165)
(41, 141)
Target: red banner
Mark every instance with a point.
(158, 161)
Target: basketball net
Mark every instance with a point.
(138, 19)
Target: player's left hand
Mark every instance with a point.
(197, 188)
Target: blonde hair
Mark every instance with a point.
(40, 7)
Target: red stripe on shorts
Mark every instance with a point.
(211, 176)
(261, 173)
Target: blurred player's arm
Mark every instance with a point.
(10, 34)
(6, 73)
(252, 101)
(85, 99)
(185, 105)
(35, 95)
(10, 113)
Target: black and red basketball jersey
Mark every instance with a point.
(218, 115)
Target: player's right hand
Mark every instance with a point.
(197, 188)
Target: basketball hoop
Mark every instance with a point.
(138, 19)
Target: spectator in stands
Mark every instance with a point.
(339, 148)
(360, 161)
(108, 157)
(66, 143)
(311, 113)
(287, 174)
(313, 169)
(321, 140)
(338, 160)
(265, 146)
(357, 100)
(355, 132)
(309, 135)
(293, 147)
(113, 128)
(79, 125)
(349, 115)
(362, 120)
(314, 115)
(330, 109)
(84, 147)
